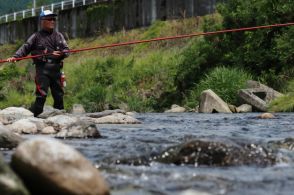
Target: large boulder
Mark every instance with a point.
(218, 153)
(116, 118)
(12, 114)
(211, 103)
(10, 184)
(258, 95)
(244, 108)
(50, 167)
(60, 121)
(9, 139)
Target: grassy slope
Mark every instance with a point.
(136, 72)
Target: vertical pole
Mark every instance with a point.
(73, 3)
(6, 18)
(52, 7)
(14, 16)
(23, 14)
(42, 8)
(84, 2)
(33, 12)
(62, 5)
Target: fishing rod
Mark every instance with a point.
(157, 39)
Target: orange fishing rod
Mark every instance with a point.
(159, 39)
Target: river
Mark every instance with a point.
(121, 145)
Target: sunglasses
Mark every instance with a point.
(49, 19)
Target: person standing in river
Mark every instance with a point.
(48, 67)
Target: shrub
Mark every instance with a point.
(224, 81)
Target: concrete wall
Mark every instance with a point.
(111, 16)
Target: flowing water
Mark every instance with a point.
(122, 145)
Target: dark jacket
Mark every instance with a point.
(42, 42)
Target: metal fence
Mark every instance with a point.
(53, 7)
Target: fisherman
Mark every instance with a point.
(48, 67)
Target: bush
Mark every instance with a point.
(225, 82)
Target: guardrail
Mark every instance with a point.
(53, 7)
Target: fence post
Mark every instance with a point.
(73, 3)
(6, 18)
(23, 14)
(14, 16)
(52, 7)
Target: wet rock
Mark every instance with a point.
(217, 153)
(211, 103)
(244, 108)
(23, 126)
(51, 167)
(9, 139)
(12, 114)
(287, 143)
(10, 184)
(50, 112)
(81, 129)
(194, 192)
(105, 113)
(117, 118)
(78, 109)
(60, 121)
(175, 108)
(266, 116)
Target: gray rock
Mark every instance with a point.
(176, 109)
(254, 97)
(78, 109)
(244, 108)
(48, 130)
(12, 114)
(117, 118)
(104, 113)
(80, 129)
(9, 139)
(23, 126)
(50, 167)
(60, 121)
(10, 184)
(210, 103)
(258, 95)
(50, 112)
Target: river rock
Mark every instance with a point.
(210, 103)
(9, 139)
(60, 121)
(78, 109)
(12, 114)
(50, 167)
(117, 118)
(81, 129)
(48, 130)
(176, 109)
(10, 184)
(105, 113)
(266, 116)
(244, 108)
(50, 112)
(217, 153)
(23, 126)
